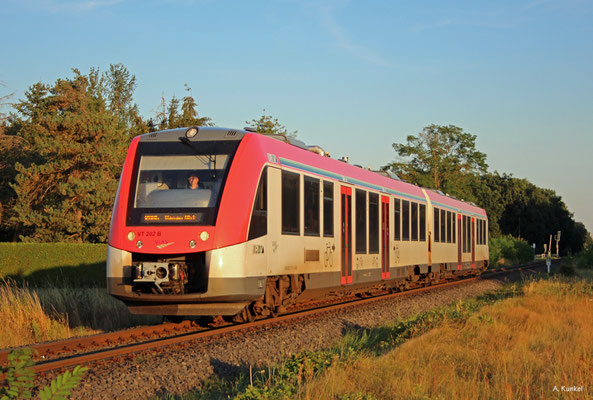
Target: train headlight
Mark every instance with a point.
(191, 132)
(131, 236)
(192, 243)
(139, 243)
(204, 236)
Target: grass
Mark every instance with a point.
(290, 378)
(51, 291)
(32, 315)
(24, 320)
(54, 264)
(519, 342)
(522, 347)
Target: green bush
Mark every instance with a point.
(584, 260)
(507, 250)
(54, 264)
(578, 263)
(20, 377)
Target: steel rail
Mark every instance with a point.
(128, 349)
(48, 349)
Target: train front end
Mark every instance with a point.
(167, 254)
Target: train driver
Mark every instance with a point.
(193, 181)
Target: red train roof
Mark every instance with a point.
(297, 158)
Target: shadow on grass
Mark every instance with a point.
(68, 276)
(75, 294)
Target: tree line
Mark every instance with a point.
(445, 158)
(62, 148)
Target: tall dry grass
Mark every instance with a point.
(520, 348)
(25, 321)
(31, 315)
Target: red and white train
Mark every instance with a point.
(211, 221)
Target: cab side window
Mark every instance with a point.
(259, 215)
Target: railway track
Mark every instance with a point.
(70, 352)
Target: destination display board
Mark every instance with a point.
(170, 217)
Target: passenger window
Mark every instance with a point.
(462, 233)
(311, 206)
(373, 223)
(328, 209)
(361, 221)
(482, 232)
(450, 227)
(469, 234)
(405, 220)
(396, 219)
(259, 216)
(454, 223)
(422, 222)
(437, 224)
(291, 191)
(466, 234)
(443, 226)
(414, 221)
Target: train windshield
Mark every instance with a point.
(179, 184)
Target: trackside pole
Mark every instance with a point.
(548, 263)
(549, 255)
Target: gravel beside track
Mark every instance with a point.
(182, 368)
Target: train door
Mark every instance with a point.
(274, 251)
(346, 240)
(385, 237)
(473, 243)
(459, 240)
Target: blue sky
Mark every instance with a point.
(353, 77)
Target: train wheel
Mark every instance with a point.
(248, 315)
(244, 316)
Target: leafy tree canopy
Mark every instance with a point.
(179, 113)
(3, 102)
(268, 124)
(517, 207)
(65, 191)
(445, 158)
(440, 157)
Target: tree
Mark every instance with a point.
(440, 157)
(519, 208)
(65, 191)
(8, 147)
(170, 117)
(268, 124)
(3, 102)
(119, 87)
(173, 113)
(12, 149)
(189, 113)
